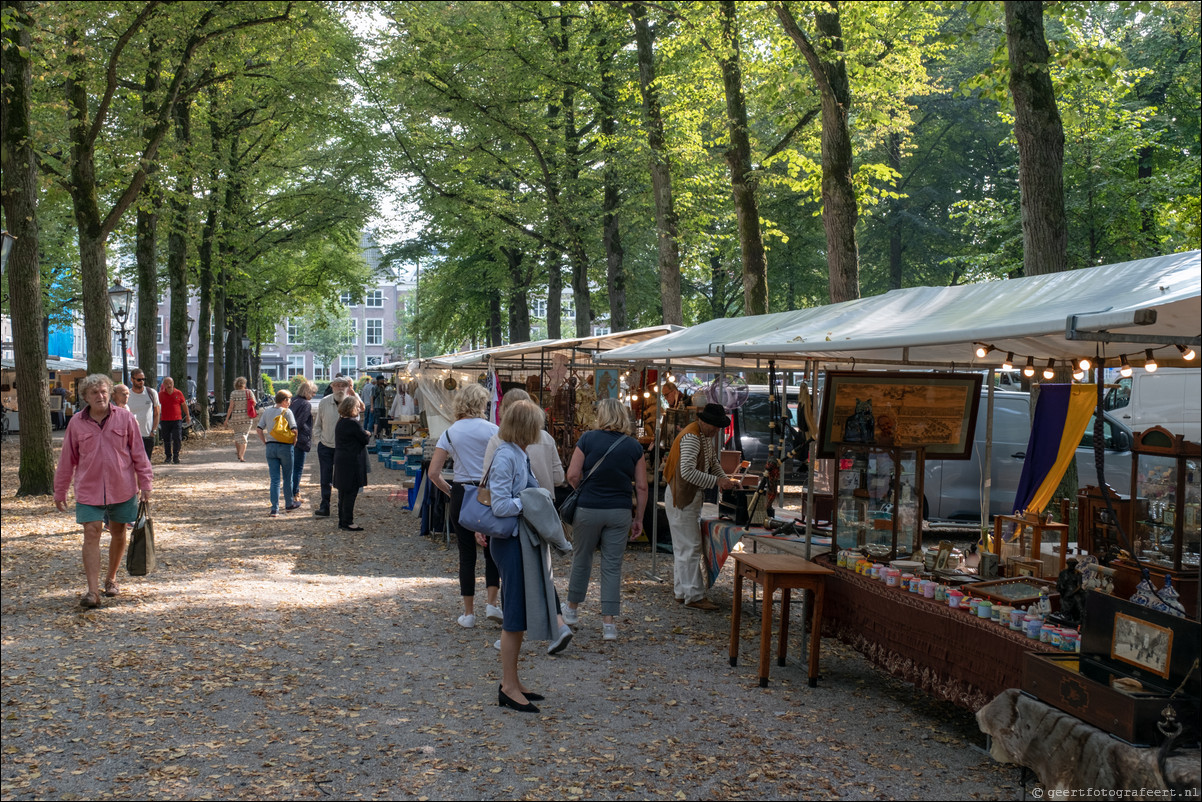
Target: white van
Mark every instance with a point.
(952, 489)
(1170, 397)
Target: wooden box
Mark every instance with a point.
(1122, 639)
(1057, 680)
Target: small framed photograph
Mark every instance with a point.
(945, 551)
(1142, 644)
(1020, 566)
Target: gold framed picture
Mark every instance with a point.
(1142, 644)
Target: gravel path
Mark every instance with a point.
(281, 659)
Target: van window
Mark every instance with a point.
(1118, 396)
(1107, 434)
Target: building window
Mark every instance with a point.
(372, 361)
(538, 308)
(294, 333)
(296, 365)
(375, 331)
(600, 331)
(348, 365)
(569, 307)
(158, 334)
(319, 372)
(352, 334)
(273, 371)
(375, 298)
(346, 299)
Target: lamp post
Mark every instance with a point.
(191, 324)
(119, 299)
(246, 353)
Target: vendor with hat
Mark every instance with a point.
(693, 466)
(379, 408)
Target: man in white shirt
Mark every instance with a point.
(144, 403)
(325, 418)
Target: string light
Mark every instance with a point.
(1049, 372)
(1149, 361)
(1083, 364)
(983, 350)
(1187, 353)
(1029, 370)
(1124, 366)
(1009, 363)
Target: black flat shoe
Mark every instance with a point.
(534, 697)
(505, 701)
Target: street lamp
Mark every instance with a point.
(246, 353)
(119, 299)
(191, 324)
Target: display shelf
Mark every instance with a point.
(878, 498)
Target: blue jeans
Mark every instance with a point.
(298, 468)
(279, 464)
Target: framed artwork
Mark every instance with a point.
(606, 383)
(935, 411)
(1142, 644)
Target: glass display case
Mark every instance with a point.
(1166, 491)
(878, 501)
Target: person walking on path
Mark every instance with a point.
(325, 421)
(302, 410)
(241, 415)
(102, 450)
(350, 461)
(603, 517)
(544, 455)
(174, 414)
(691, 468)
(466, 440)
(279, 450)
(144, 404)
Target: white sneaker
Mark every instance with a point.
(610, 631)
(497, 644)
(561, 641)
(467, 621)
(570, 616)
(493, 613)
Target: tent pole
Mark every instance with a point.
(655, 493)
(812, 370)
(987, 472)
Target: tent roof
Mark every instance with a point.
(537, 349)
(925, 326)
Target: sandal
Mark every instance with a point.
(90, 600)
(110, 588)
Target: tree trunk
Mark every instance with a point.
(146, 243)
(742, 178)
(554, 296)
(615, 275)
(577, 250)
(177, 246)
(494, 318)
(519, 307)
(1040, 136)
(839, 210)
(661, 173)
(36, 471)
(895, 218)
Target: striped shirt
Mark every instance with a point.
(689, 444)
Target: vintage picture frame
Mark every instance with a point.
(945, 551)
(1021, 566)
(936, 412)
(1142, 644)
(606, 383)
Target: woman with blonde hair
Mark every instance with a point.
(241, 415)
(543, 454)
(466, 440)
(612, 461)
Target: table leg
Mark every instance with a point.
(766, 628)
(815, 632)
(736, 615)
(784, 626)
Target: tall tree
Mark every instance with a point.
(839, 209)
(1040, 135)
(36, 471)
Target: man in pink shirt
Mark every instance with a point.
(103, 450)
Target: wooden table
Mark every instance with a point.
(785, 572)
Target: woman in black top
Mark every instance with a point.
(350, 461)
(603, 518)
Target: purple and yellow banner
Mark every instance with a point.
(1061, 415)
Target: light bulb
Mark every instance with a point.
(1124, 366)
(646, 394)
(1149, 361)
(983, 350)
(1009, 363)
(1083, 364)
(1049, 372)
(1029, 370)
(1078, 375)
(1187, 353)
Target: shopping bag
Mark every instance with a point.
(139, 557)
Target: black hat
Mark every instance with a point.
(714, 415)
(379, 377)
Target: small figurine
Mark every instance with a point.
(1072, 594)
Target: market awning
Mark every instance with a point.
(1060, 316)
(515, 353)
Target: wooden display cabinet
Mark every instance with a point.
(1020, 537)
(878, 501)
(1097, 526)
(1166, 490)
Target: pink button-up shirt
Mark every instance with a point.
(109, 462)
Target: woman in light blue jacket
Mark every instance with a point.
(508, 476)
